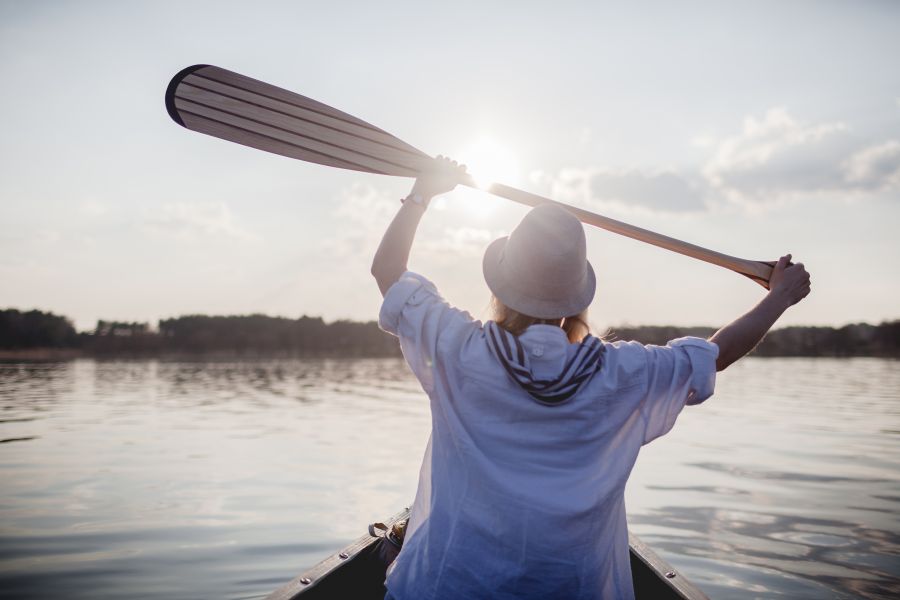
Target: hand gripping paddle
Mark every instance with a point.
(239, 109)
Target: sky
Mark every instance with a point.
(752, 128)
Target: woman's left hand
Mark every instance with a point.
(439, 177)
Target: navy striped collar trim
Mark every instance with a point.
(578, 370)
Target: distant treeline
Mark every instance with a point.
(198, 334)
(851, 340)
(255, 335)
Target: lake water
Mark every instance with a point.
(154, 479)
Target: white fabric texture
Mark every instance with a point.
(518, 499)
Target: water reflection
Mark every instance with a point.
(253, 383)
(18, 439)
(226, 478)
(760, 474)
(195, 479)
(789, 548)
(33, 387)
(782, 485)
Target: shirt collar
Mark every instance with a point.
(546, 346)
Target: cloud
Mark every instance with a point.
(363, 203)
(358, 208)
(665, 191)
(627, 190)
(192, 220)
(92, 207)
(454, 242)
(762, 139)
(772, 158)
(777, 156)
(874, 168)
(365, 211)
(780, 157)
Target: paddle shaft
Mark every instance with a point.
(758, 271)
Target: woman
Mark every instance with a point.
(535, 423)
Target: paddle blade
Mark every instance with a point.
(239, 109)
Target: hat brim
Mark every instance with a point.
(510, 292)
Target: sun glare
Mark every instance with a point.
(489, 162)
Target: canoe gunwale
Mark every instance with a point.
(653, 576)
(642, 554)
(308, 581)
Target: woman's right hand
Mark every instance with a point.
(789, 282)
(440, 176)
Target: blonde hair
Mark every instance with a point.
(575, 326)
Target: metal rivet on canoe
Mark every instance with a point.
(344, 556)
(670, 575)
(306, 581)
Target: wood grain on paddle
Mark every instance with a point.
(239, 109)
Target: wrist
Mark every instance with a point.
(778, 300)
(416, 199)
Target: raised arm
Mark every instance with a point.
(393, 253)
(787, 286)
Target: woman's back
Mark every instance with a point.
(520, 497)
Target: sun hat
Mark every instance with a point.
(541, 268)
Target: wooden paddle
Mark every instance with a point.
(233, 107)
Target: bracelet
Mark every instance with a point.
(416, 199)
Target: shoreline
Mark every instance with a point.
(69, 354)
(65, 354)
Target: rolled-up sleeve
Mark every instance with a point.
(415, 312)
(682, 372)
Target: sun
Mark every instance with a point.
(489, 162)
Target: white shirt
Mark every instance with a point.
(518, 499)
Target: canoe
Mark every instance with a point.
(357, 572)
